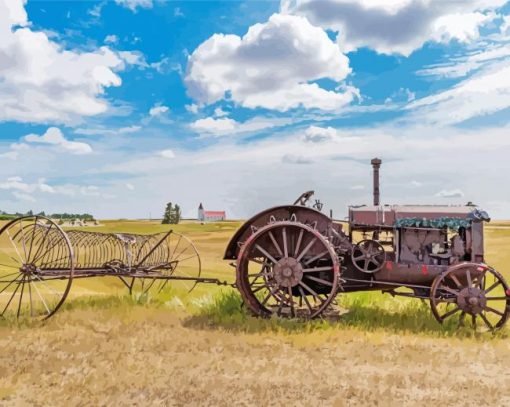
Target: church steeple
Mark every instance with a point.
(201, 216)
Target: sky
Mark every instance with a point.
(116, 107)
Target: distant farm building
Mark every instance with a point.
(210, 216)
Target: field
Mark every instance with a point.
(107, 348)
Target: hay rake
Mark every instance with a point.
(39, 261)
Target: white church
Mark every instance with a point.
(210, 216)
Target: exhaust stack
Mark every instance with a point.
(376, 164)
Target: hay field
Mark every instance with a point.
(105, 348)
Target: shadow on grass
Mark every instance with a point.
(225, 312)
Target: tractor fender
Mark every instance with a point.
(301, 214)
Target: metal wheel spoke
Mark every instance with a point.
(305, 250)
(42, 299)
(324, 268)
(12, 296)
(320, 280)
(298, 244)
(23, 240)
(21, 296)
(492, 287)
(462, 317)
(456, 280)
(468, 278)
(265, 253)
(41, 245)
(449, 290)
(12, 267)
(497, 298)
(450, 313)
(305, 299)
(495, 311)
(311, 291)
(275, 243)
(15, 247)
(319, 256)
(291, 300)
(285, 246)
(489, 325)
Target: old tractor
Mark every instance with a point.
(293, 260)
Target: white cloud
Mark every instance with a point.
(450, 193)
(357, 187)
(460, 66)
(103, 131)
(225, 126)
(23, 197)
(192, 108)
(416, 184)
(214, 126)
(505, 26)
(481, 94)
(315, 134)
(295, 159)
(178, 12)
(53, 136)
(396, 26)
(272, 67)
(25, 191)
(166, 153)
(158, 110)
(133, 5)
(219, 112)
(40, 81)
(111, 39)
(11, 155)
(130, 186)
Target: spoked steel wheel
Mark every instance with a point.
(173, 256)
(36, 268)
(368, 256)
(288, 269)
(473, 293)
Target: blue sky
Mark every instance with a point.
(116, 107)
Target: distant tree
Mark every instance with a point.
(167, 216)
(172, 214)
(41, 213)
(177, 214)
(30, 213)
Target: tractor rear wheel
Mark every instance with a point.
(287, 269)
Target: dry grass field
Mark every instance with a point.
(106, 348)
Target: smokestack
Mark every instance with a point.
(376, 164)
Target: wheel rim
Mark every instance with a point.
(36, 268)
(368, 256)
(476, 293)
(181, 260)
(287, 269)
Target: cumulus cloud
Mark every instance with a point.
(396, 26)
(42, 82)
(214, 126)
(315, 134)
(158, 110)
(53, 136)
(134, 5)
(450, 193)
(272, 66)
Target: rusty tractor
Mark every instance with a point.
(293, 260)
